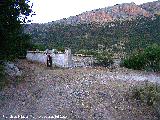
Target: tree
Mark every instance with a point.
(12, 39)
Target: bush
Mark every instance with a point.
(148, 59)
(136, 61)
(152, 56)
(61, 49)
(104, 59)
(149, 94)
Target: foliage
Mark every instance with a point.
(148, 59)
(135, 61)
(62, 49)
(2, 77)
(40, 47)
(149, 94)
(135, 34)
(152, 56)
(87, 52)
(13, 42)
(104, 59)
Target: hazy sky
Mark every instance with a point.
(51, 10)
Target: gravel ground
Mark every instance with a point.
(74, 94)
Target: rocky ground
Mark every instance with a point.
(74, 94)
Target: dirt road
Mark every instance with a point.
(74, 94)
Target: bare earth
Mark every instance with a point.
(75, 94)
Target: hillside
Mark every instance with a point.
(126, 23)
(152, 7)
(125, 11)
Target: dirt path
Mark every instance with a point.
(74, 94)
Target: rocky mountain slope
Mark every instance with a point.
(117, 12)
(152, 7)
(125, 23)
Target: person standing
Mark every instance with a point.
(49, 60)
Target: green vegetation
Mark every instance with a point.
(148, 94)
(135, 34)
(2, 77)
(40, 47)
(62, 49)
(103, 58)
(147, 59)
(87, 52)
(13, 42)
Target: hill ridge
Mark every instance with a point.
(124, 11)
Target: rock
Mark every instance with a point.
(124, 11)
(12, 70)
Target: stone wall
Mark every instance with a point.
(58, 59)
(38, 56)
(82, 61)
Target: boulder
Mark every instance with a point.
(12, 70)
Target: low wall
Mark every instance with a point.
(65, 59)
(36, 56)
(59, 59)
(79, 61)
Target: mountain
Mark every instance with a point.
(152, 7)
(128, 23)
(117, 12)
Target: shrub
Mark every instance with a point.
(148, 59)
(152, 56)
(61, 49)
(136, 61)
(104, 59)
(149, 94)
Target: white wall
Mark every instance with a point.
(39, 57)
(60, 59)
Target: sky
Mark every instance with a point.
(51, 10)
